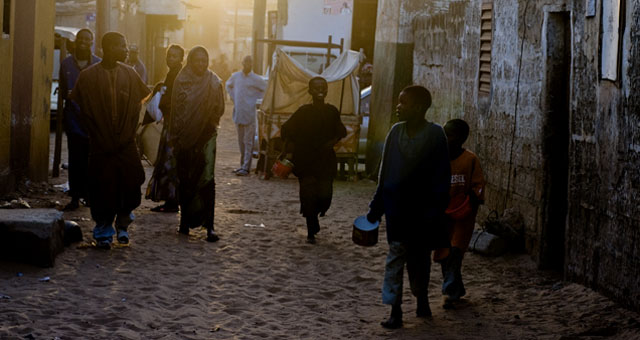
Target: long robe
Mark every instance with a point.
(163, 185)
(110, 102)
(196, 107)
(311, 129)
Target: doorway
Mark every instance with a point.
(555, 143)
(363, 30)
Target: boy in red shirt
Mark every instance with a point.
(467, 193)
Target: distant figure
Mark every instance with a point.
(110, 95)
(245, 88)
(313, 130)
(77, 138)
(345, 9)
(413, 193)
(197, 103)
(163, 185)
(467, 188)
(136, 63)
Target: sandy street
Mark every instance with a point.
(265, 282)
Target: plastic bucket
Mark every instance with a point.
(364, 232)
(282, 168)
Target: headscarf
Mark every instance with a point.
(197, 103)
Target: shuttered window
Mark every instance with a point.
(485, 46)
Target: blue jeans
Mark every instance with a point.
(104, 228)
(452, 284)
(418, 261)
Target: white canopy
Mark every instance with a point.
(289, 83)
(67, 32)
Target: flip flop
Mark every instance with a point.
(123, 237)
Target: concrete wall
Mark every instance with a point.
(597, 241)
(41, 92)
(603, 237)
(26, 66)
(6, 62)
(392, 72)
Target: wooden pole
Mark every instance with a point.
(103, 22)
(342, 94)
(328, 53)
(259, 13)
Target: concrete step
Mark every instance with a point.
(33, 236)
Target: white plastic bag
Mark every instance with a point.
(153, 105)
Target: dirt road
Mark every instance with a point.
(265, 282)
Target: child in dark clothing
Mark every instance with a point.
(313, 130)
(413, 193)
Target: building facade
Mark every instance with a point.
(550, 90)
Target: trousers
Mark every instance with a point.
(418, 261)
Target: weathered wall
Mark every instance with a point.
(41, 93)
(509, 133)
(392, 72)
(6, 62)
(30, 88)
(446, 60)
(603, 236)
(510, 126)
(446, 57)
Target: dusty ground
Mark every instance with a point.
(265, 282)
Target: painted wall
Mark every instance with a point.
(31, 88)
(6, 62)
(306, 22)
(510, 125)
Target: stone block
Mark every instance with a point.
(31, 235)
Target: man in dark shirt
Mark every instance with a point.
(77, 138)
(313, 130)
(412, 193)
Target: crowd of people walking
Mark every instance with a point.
(426, 177)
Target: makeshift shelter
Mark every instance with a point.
(288, 90)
